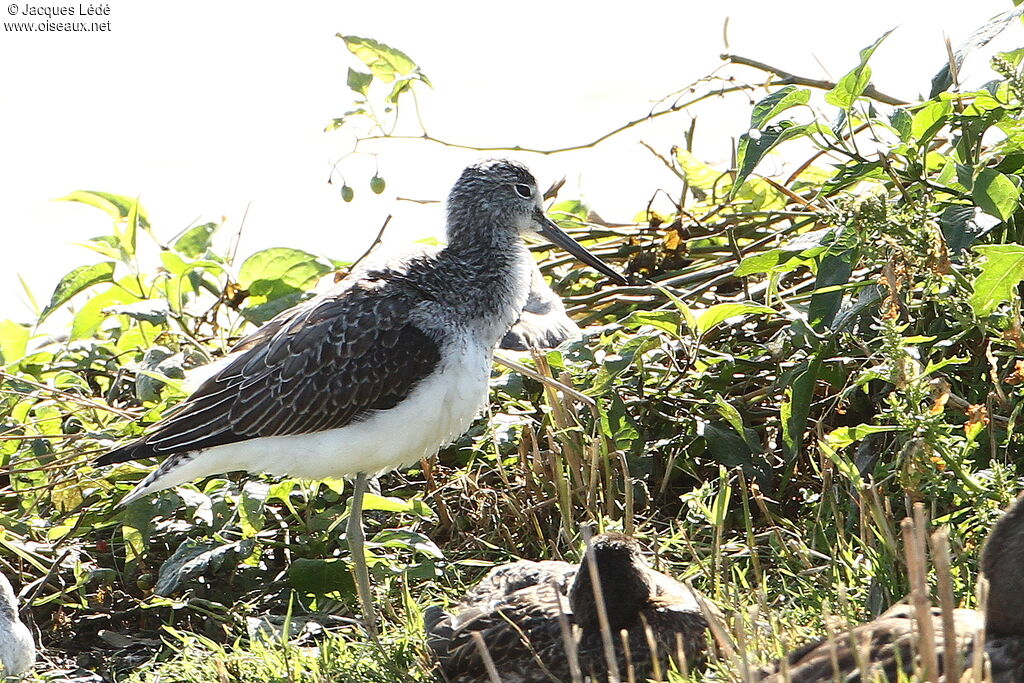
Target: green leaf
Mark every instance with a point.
(776, 261)
(929, 119)
(320, 577)
(196, 241)
(962, 225)
(386, 63)
(852, 85)
(78, 280)
(735, 420)
(116, 206)
(902, 122)
(359, 81)
(755, 144)
(699, 174)
(797, 406)
(663, 320)
(415, 506)
(279, 272)
(776, 103)
(719, 313)
(1001, 271)
(13, 341)
(996, 194)
(197, 558)
(834, 270)
(844, 436)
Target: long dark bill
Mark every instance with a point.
(554, 234)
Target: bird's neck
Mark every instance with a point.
(491, 279)
(624, 591)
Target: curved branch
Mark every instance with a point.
(786, 78)
(572, 148)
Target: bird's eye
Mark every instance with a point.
(523, 191)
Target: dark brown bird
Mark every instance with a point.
(517, 607)
(888, 645)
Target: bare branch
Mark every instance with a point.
(786, 78)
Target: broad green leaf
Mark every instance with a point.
(13, 341)
(196, 240)
(844, 436)
(902, 122)
(962, 225)
(385, 62)
(1001, 271)
(279, 272)
(91, 315)
(929, 119)
(663, 320)
(359, 81)
(320, 577)
(719, 313)
(834, 270)
(250, 509)
(776, 261)
(996, 194)
(776, 103)
(614, 364)
(852, 85)
(153, 311)
(688, 316)
(415, 506)
(76, 281)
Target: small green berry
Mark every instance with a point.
(377, 184)
(347, 193)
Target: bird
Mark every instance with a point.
(888, 644)
(517, 610)
(17, 648)
(376, 373)
(543, 322)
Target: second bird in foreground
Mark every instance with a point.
(516, 610)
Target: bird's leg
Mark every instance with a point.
(355, 546)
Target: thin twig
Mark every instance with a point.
(786, 78)
(373, 245)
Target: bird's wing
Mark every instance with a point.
(888, 644)
(543, 324)
(319, 366)
(522, 635)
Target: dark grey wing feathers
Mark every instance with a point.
(320, 366)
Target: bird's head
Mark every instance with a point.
(623, 577)
(497, 200)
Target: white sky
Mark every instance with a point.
(205, 108)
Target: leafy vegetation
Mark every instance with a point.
(798, 360)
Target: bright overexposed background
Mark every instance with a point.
(210, 109)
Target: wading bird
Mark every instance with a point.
(517, 610)
(375, 374)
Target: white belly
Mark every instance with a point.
(437, 411)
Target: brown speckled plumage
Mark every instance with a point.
(516, 610)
